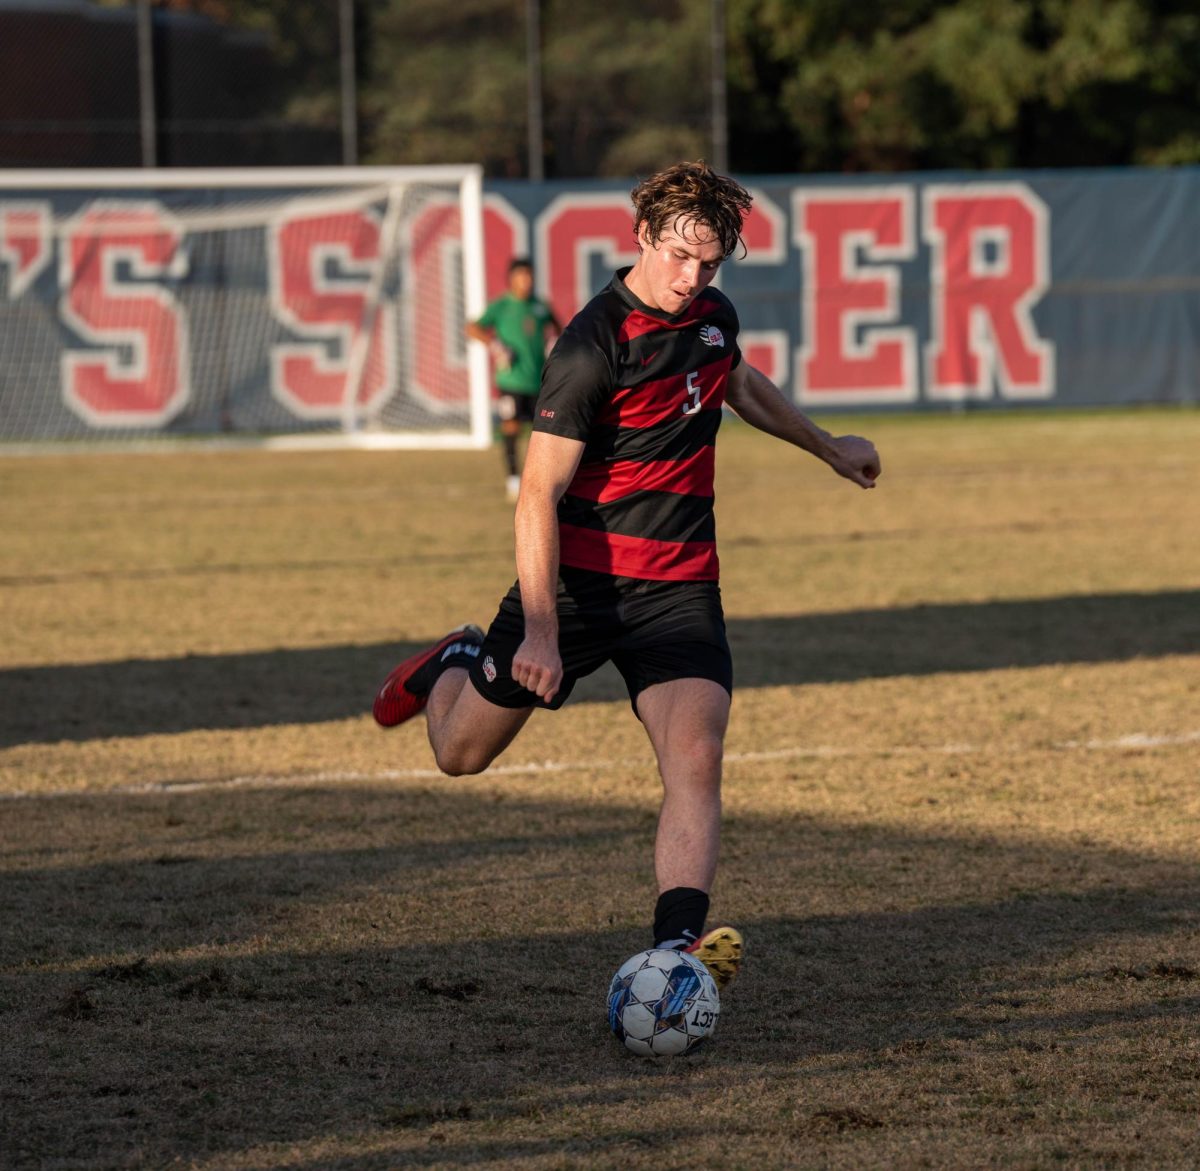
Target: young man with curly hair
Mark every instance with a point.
(615, 538)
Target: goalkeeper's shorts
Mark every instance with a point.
(511, 406)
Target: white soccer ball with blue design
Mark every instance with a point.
(662, 1003)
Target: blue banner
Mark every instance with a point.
(923, 291)
(144, 310)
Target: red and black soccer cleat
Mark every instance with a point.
(405, 692)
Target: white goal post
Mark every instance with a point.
(265, 306)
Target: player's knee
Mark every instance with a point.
(707, 746)
(460, 760)
(709, 755)
(699, 759)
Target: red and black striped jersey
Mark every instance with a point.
(643, 390)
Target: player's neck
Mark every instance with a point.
(636, 283)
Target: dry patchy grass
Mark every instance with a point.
(242, 928)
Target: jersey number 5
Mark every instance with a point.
(692, 403)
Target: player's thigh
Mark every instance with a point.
(474, 732)
(686, 720)
(476, 718)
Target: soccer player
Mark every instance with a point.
(517, 327)
(615, 548)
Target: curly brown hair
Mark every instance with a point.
(692, 191)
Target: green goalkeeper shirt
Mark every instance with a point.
(521, 326)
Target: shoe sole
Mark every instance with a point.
(394, 703)
(720, 951)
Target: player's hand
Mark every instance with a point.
(537, 666)
(856, 459)
(502, 356)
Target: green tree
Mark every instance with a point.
(815, 85)
(626, 85)
(818, 85)
(625, 90)
(446, 83)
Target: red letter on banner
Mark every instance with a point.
(764, 234)
(435, 266)
(322, 262)
(24, 242)
(842, 361)
(505, 236)
(140, 378)
(990, 266)
(571, 231)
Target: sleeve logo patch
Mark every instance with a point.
(710, 335)
(546, 414)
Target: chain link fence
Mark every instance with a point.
(228, 83)
(224, 89)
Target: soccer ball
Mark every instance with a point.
(662, 1003)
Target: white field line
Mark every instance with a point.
(1133, 741)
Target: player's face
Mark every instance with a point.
(671, 270)
(520, 283)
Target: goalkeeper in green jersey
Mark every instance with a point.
(517, 328)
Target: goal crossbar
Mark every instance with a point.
(288, 308)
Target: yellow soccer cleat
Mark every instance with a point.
(720, 951)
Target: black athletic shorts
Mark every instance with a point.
(511, 406)
(653, 631)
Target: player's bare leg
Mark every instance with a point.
(466, 731)
(686, 721)
(510, 432)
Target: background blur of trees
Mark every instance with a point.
(625, 84)
(917, 84)
(813, 85)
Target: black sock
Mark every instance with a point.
(460, 653)
(679, 916)
(510, 453)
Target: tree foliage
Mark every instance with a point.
(817, 85)
(623, 89)
(814, 85)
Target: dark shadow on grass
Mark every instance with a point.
(140, 697)
(194, 988)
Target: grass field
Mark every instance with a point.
(241, 927)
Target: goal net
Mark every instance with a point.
(311, 307)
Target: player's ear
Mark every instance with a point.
(642, 234)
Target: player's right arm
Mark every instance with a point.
(576, 382)
(550, 464)
(484, 330)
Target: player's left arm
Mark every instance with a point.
(754, 398)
